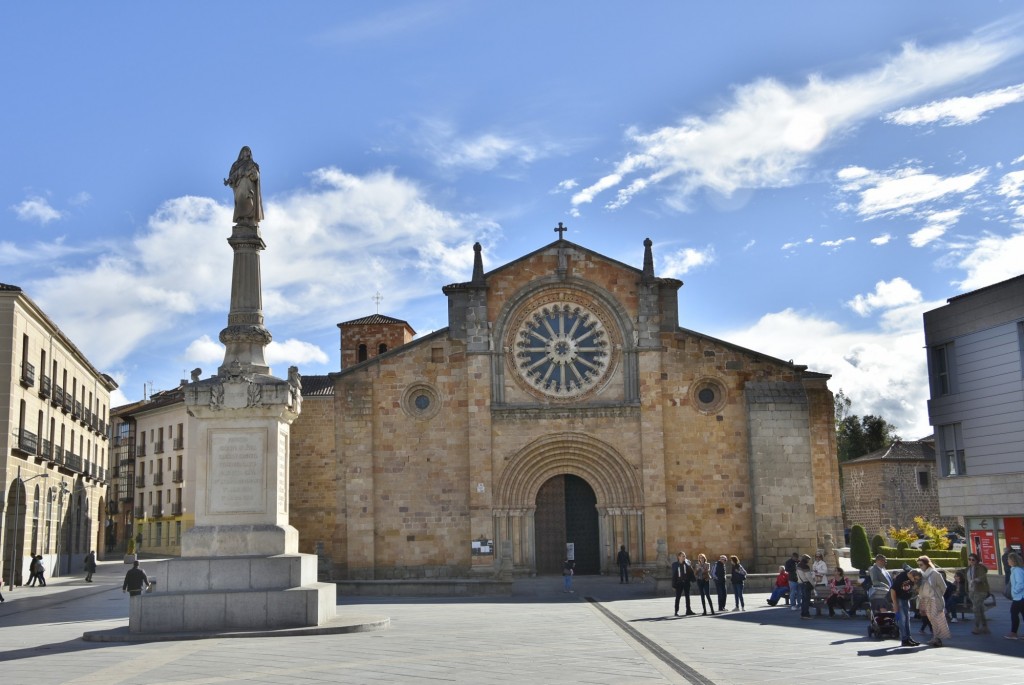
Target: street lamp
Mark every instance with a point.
(17, 510)
(60, 507)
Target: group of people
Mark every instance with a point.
(702, 572)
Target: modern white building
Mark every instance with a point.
(975, 349)
(53, 444)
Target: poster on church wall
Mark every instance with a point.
(482, 547)
(570, 551)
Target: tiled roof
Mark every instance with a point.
(913, 450)
(10, 288)
(317, 386)
(373, 319)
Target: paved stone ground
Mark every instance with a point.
(603, 633)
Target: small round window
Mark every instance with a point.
(708, 395)
(421, 401)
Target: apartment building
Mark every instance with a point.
(54, 446)
(155, 479)
(975, 345)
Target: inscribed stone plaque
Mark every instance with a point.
(282, 473)
(237, 472)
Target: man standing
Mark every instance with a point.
(719, 574)
(135, 581)
(881, 584)
(900, 593)
(622, 559)
(90, 565)
(794, 585)
(978, 590)
(682, 576)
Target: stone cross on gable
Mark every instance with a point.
(377, 300)
(560, 229)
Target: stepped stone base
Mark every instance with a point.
(233, 593)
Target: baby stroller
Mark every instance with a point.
(882, 625)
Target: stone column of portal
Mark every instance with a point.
(240, 569)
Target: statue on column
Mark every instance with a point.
(244, 180)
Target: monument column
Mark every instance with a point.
(240, 568)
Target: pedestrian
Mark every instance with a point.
(1016, 593)
(805, 576)
(881, 585)
(820, 569)
(794, 584)
(782, 587)
(956, 595)
(622, 559)
(738, 576)
(40, 570)
(135, 581)
(682, 576)
(978, 591)
(931, 600)
(90, 565)
(718, 573)
(902, 591)
(31, 572)
(568, 571)
(702, 572)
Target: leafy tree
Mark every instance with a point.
(857, 436)
(860, 549)
(936, 535)
(904, 535)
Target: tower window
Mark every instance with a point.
(362, 353)
(382, 348)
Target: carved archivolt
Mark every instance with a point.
(615, 482)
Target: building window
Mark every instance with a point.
(942, 371)
(362, 353)
(382, 348)
(954, 462)
(922, 479)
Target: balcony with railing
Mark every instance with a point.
(141, 451)
(73, 461)
(58, 396)
(69, 402)
(28, 374)
(103, 429)
(158, 447)
(179, 443)
(140, 481)
(87, 416)
(140, 512)
(76, 409)
(47, 450)
(176, 509)
(26, 441)
(158, 478)
(157, 511)
(177, 476)
(45, 386)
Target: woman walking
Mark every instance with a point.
(738, 576)
(931, 600)
(977, 588)
(702, 571)
(1016, 593)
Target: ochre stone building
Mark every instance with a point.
(562, 404)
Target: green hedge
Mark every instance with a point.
(944, 558)
(896, 563)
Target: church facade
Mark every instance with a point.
(563, 404)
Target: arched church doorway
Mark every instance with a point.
(567, 512)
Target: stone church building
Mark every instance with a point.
(563, 404)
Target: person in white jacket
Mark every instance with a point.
(931, 602)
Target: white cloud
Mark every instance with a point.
(838, 242)
(887, 295)
(992, 259)
(36, 209)
(767, 134)
(80, 198)
(796, 244)
(565, 186)
(1012, 185)
(482, 152)
(937, 225)
(957, 111)
(204, 350)
(881, 240)
(905, 189)
(881, 369)
(294, 352)
(685, 260)
(750, 244)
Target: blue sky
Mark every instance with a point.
(818, 174)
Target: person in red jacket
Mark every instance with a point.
(781, 587)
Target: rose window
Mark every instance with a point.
(562, 350)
